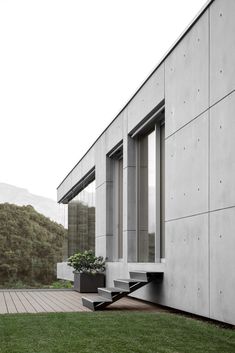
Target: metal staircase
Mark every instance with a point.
(122, 287)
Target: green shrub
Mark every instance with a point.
(87, 262)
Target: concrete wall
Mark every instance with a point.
(65, 272)
(197, 82)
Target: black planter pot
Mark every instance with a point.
(88, 282)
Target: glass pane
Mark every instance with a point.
(147, 197)
(81, 221)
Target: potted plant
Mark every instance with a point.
(88, 271)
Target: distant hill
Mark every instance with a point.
(22, 197)
(30, 245)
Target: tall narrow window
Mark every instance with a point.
(147, 198)
(151, 191)
(118, 207)
(115, 196)
(162, 189)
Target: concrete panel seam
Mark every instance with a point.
(224, 97)
(188, 216)
(189, 122)
(221, 209)
(209, 107)
(199, 214)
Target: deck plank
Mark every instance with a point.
(67, 298)
(18, 304)
(37, 301)
(28, 306)
(38, 308)
(43, 302)
(56, 300)
(54, 296)
(3, 307)
(51, 303)
(11, 308)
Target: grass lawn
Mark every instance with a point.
(111, 332)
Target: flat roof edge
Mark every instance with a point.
(195, 19)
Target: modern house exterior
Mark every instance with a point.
(156, 191)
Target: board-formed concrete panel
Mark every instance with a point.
(186, 169)
(222, 265)
(149, 96)
(186, 77)
(186, 274)
(222, 154)
(222, 49)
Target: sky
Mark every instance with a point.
(66, 69)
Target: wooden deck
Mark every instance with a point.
(47, 301)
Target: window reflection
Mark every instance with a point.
(81, 221)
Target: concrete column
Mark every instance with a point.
(129, 197)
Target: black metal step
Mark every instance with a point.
(129, 283)
(146, 275)
(121, 288)
(142, 275)
(109, 293)
(95, 301)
